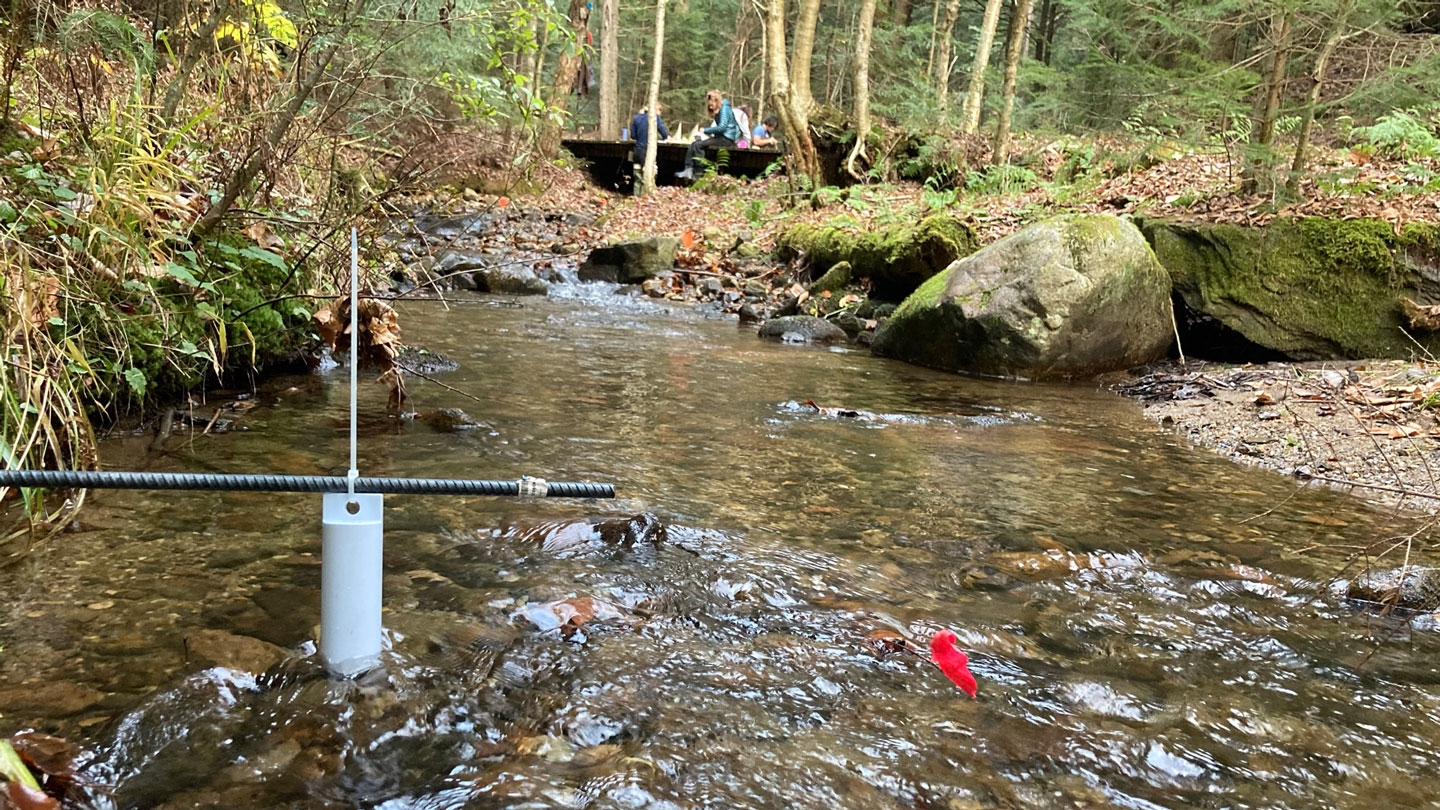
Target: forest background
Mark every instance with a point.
(178, 178)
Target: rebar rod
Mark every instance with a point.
(222, 482)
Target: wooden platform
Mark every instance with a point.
(610, 162)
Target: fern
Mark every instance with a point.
(1400, 134)
(113, 35)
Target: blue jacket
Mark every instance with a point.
(640, 132)
(725, 125)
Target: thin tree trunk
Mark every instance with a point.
(647, 175)
(942, 58)
(260, 155)
(543, 41)
(1281, 28)
(1317, 80)
(934, 37)
(1257, 172)
(862, 87)
(975, 95)
(566, 69)
(794, 117)
(804, 48)
(1014, 50)
(900, 14)
(194, 49)
(609, 69)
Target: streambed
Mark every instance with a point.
(1149, 623)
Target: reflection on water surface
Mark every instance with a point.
(1142, 639)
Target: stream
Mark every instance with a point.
(1150, 625)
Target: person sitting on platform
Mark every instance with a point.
(721, 135)
(742, 120)
(765, 133)
(640, 131)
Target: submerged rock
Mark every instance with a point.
(1076, 295)
(804, 329)
(450, 420)
(1409, 588)
(217, 648)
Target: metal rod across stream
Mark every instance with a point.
(352, 519)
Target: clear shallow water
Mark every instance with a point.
(1148, 623)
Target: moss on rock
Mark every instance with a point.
(1310, 288)
(896, 259)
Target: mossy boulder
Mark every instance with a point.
(1072, 296)
(896, 259)
(1311, 288)
(630, 262)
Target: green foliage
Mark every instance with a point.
(1000, 180)
(115, 37)
(1406, 134)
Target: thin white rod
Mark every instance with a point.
(354, 350)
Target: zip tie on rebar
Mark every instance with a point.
(354, 358)
(230, 482)
(531, 487)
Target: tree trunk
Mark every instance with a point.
(794, 117)
(609, 69)
(566, 69)
(975, 95)
(542, 40)
(1317, 80)
(1014, 50)
(804, 48)
(900, 14)
(1280, 28)
(1257, 172)
(1047, 23)
(189, 58)
(942, 58)
(647, 175)
(934, 37)
(862, 87)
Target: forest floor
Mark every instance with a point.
(1371, 428)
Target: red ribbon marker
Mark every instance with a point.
(952, 662)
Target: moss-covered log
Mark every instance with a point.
(1309, 288)
(896, 259)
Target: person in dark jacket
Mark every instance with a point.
(722, 134)
(640, 131)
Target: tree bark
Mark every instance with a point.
(542, 38)
(194, 49)
(609, 69)
(1257, 173)
(1014, 50)
(1312, 103)
(1281, 27)
(975, 95)
(900, 13)
(566, 69)
(942, 57)
(794, 117)
(804, 49)
(647, 175)
(862, 87)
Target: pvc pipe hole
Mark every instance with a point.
(353, 507)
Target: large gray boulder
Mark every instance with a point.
(1073, 296)
(631, 262)
(802, 329)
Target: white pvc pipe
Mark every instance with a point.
(350, 578)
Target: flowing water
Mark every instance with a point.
(1149, 624)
